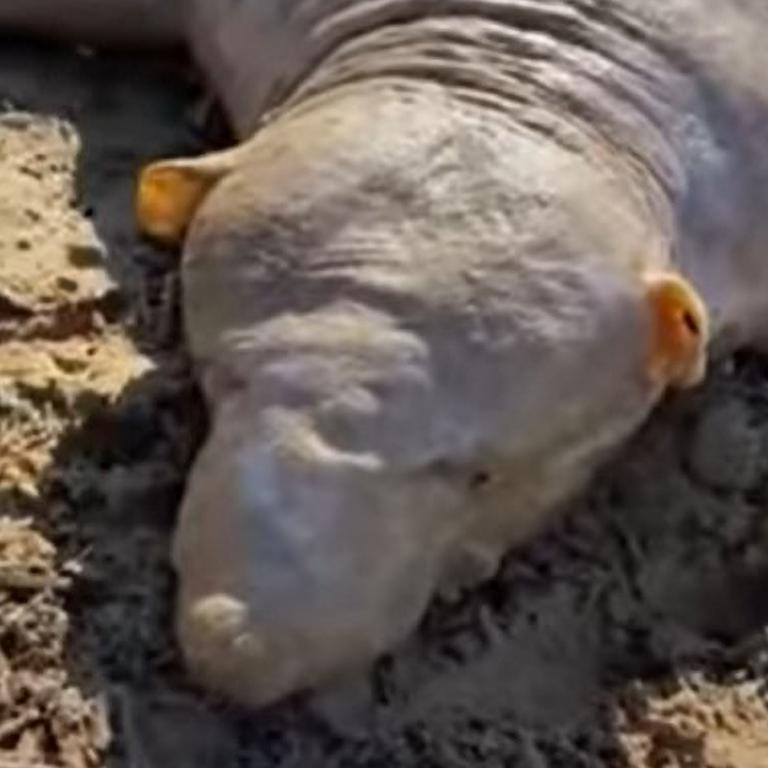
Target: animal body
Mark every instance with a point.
(462, 250)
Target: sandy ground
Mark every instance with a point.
(631, 636)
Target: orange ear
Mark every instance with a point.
(169, 192)
(167, 197)
(679, 331)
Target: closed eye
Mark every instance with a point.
(479, 480)
(691, 323)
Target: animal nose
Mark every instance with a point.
(223, 650)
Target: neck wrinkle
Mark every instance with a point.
(546, 68)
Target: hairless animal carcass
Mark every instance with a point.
(460, 252)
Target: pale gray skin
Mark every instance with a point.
(415, 299)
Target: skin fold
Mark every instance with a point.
(460, 253)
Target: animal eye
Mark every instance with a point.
(691, 323)
(479, 479)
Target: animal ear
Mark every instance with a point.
(679, 324)
(169, 193)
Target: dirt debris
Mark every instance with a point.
(696, 724)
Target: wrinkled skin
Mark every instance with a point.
(416, 295)
(409, 376)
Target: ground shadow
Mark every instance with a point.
(656, 575)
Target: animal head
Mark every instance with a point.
(387, 300)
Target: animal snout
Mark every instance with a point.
(297, 560)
